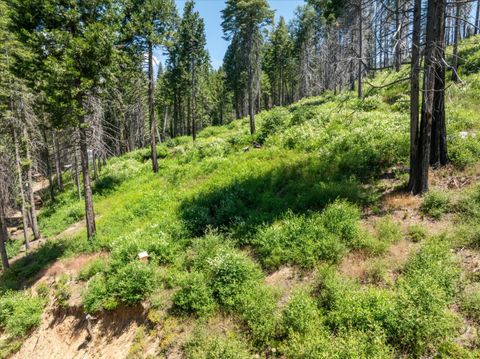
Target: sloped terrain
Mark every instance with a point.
(304, 246)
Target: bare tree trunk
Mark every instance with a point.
(58, 164)
(414, 92)
(151, 110)
(423, 154)
(438, 152)
(398, 37)
(31, 197)
(49, 166)
(95, 168)
(455, 43)
(251, 95)
(477, 19)
(77, 179)
(3, 232)
(22, 191)
(360, 50)
(87, 189)
(193, 108)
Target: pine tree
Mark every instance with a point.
(245, 20)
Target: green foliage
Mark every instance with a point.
(61, 291)
(470, 302)
(19, 312)
(273, 122)
(205, 346)
(388, 230)
(99, 265)
(435, 204)
(195, 296)
(297, 240)
(301, 314)
(417, 233)
(97, 296)
(132, 283)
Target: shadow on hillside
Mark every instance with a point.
(241, 206)
(23, 272)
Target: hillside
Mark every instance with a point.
(297, 242)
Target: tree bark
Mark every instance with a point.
(22, 191)
(46, 156)
(438, 153)
(455, 43)
(398, 37)
(251, 91)
(87, 189)
(151, 110)
(3, 232)
(423, 150)
(477, 19)
(194, 94)
(58, 163)
(77, 179)
(360, 50)
(30, 194)
(414, 92)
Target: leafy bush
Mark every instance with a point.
(435, 204)
(342, 218)
(388, 230)
(301, 314)
(96, 296)
(195, 296)
(204, 346)
(468, 207)
(470, 302)
(62, 291)
(272, 123)
(258, 309)
(230, 274)
(132, 283)
(98, 265)
(297, 240)
(19, 312)
(417, 233)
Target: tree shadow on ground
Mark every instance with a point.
(243, 205)
(23, 272)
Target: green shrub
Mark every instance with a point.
(417, 233)
(470, 302)
(435, 204)
(230, 274)
(389, 231)
(258, 309)
(206, 346)
(301, 314)
(96, 296)
(19, 312)
(99, 265)
(274, 121)
(195, 296)
(297, 240)
(61, 291)
(132, 283)
(342, 218)
(468, 207)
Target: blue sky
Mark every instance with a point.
(210, 10)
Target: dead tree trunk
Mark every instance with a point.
(151, 110)
(414, 93)
(77, 177)
(360, 51)
(22, 191)
(58, 162)
(3, 233)
(87, 189)
(455, 43)
(30, 194)
(46, 155)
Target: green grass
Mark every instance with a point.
(217, 219)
